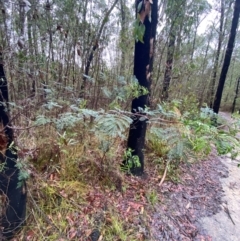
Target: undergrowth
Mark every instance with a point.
(76, 184)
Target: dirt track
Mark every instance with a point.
(204, 206)
(225, 225)
(220, 226)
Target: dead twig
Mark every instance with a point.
(164, 175)
(228, 213)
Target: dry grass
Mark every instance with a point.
(71, 178)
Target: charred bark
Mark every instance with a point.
(236, 96)
(216, 61)
(143, 65)
(227, 58)
(14, 206)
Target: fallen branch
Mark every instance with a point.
(164, 175)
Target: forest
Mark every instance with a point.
(112, 114)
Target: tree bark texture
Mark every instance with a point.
(227, 58)
(143, 64)
(14, 207)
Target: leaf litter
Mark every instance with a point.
(135, 209)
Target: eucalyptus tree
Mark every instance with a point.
(197, 10)
(218, 52)
(175, 11)
(182, 21)
(202, 86)
(4, 27)
(123, 40)
(144, 33)
(236, 95)
(95, 44)
(227, 58)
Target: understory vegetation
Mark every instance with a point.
(72, 159)
(91, 88)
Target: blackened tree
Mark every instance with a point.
(227, 58)
(218, 52)
(13, 207)
(146, 24)
(236, 95)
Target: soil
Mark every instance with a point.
(224, 226)
(205, 206)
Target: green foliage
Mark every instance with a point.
(191, 137)
(130, 160)
(188, 105)
(226, 143)
(66, 139)
(117, 230)
(157, 145)
(2, 165)
(152, 197)
(139, 7)
(207, 134)
(23, 173)
(138, 30)
(124, 91)
(175, 134)
(113, 124)
(236, 120)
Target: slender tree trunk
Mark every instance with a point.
(231, 79)
(236, 96)
(123, 37)
(176, 11)
(169, 63)
(179, 41)
(14, 208)
(143, 64)
(227, 58)
(216, 62)
(94, 47)
(160, 53)
(225, 26)
(31, 52)
(194, 43)
(4, 27)
(201, 84)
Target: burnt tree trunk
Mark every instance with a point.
(227, 58)
(216, 61)
(236, 96)
(143, 65)
(13, 208)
